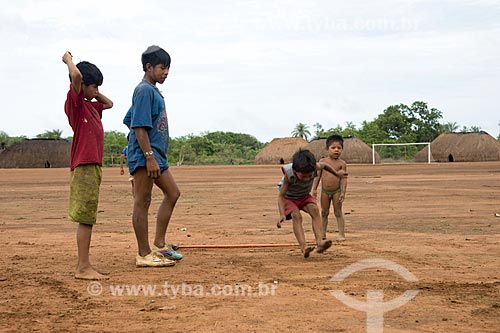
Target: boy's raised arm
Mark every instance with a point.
(106, 102)
(74, 72)
(338, 173)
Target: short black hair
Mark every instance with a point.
(303, 161)
(90, 73)
(155, 55)
(334, 138)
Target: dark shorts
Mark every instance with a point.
(85, 181)
(297, 204)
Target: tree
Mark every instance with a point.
(54, 134)
(449, 127)
(371, 133)
(302, 131)
(114, 142)
(425, 122)
(7, 141)
(319, 132)
(410, 124)
(349, 130)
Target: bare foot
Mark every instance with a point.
(324, 245)
(340, 238)
(307, 251)
(90, 274)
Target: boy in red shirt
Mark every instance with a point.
(84, 116)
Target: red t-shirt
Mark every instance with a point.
(85, 120)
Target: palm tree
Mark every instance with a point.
(54, 134)
(450, 127)
(302, 131)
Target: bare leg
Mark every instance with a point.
(337, 208)
(171, 194)
(325, 211)
(143, 186)
(298, 230)
(313, 210)
(84, 269)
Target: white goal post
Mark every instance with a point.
(403, 144)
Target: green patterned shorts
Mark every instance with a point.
(84, 193)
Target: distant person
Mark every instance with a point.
(147, 160)
(333, 188)
(84, 116)
(123, 157)
(294, 196)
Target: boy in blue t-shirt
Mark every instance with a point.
(147, 160)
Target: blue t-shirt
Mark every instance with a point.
(148, 111)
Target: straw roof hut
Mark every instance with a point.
(462, 147)
(279, 150)
(37, 153)
(355, 150)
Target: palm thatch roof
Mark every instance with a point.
(37, 153)
(279, 150)
(355, 150)
(462, 147)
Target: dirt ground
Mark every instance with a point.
(436, 221)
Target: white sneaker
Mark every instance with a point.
(153, 260)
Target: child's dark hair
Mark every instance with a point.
(155, 55)
(334, 138)
(90, 73)
(303, 161)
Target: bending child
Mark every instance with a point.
(333, 188)
(294, 196)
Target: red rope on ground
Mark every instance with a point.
(232, 246)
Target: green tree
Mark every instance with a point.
(114, 142)
(302, 131)
(319, 132)
(475, 129)
(449, 127)
(7, 141)
(54, 134)
(425, 121)
(371, 133)
(350, 130)
(415, 123)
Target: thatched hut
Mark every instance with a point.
(355, 150)
(462, 147)
(279, 151)
(37, 153)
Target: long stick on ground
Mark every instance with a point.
(232, 246)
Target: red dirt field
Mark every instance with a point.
(437, 221)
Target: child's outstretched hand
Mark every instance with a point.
(281, 220)
(342, 173)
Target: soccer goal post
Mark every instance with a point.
(413, 151)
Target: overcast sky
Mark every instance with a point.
(256, 67)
